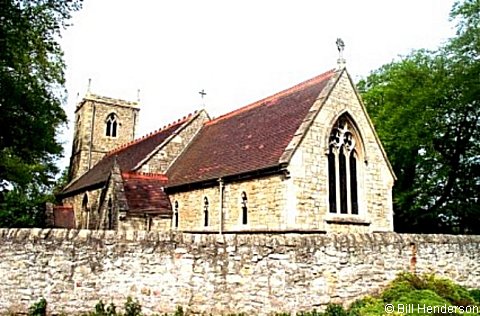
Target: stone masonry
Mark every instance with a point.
(218, 274)
(90, 142)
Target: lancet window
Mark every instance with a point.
(244, 208)
(110, 214)
(175, 214)
(343, 153)
(205, 211)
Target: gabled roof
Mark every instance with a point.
(145, 195)
(127, 156)
(249, 139)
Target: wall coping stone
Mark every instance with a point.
(336, 240)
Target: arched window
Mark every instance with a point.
(343, 154)
(111, 125)
(175, 214)
(244, 208)
(85, 211)
(205, 211)
(110, 214)
(85, 203)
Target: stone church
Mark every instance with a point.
(306, 159)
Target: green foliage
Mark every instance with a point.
(31, 94)
(475, 294)
(24, 207)
(410, 289)
(179, 311)
(132, 308)
(39, 308)
(426, 111)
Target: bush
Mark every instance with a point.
(39, 308)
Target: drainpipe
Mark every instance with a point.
(91, 139)
(220, 207)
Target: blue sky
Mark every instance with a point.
(238, 51)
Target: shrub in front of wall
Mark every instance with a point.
(39, 308)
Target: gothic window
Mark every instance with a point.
(244, 208)
(111, 125)
(85, 203)
(110, 214)
(205, 211)
(148, 223)
(85, 211)
(342, 168)
(175, 214)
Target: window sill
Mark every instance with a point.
(348, 220)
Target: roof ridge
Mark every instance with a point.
(144, 175)
(151, 134)
(271, 97)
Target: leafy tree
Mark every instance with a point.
(31, 94)
(426, 111)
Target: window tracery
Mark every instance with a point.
(342, 168)
(111, 125)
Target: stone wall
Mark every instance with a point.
(216, 274)
(266, 203)
(90, 143)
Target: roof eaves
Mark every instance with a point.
(267, 170)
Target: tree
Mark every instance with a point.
(31, 94)
(426, 110)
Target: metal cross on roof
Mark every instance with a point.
(203, 93)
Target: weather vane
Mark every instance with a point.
(341, 47)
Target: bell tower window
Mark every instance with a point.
(111, 125)
(343, 154)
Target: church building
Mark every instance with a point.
(306, 159)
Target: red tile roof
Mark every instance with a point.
(249, 139)
(144, 193)
(128, 156)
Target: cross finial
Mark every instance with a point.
(341, 47)
(203, 94)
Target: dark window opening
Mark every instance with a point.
(332, 186)
(353, 183)
(244, 208)
(111, 126)
(176, 219)
(343, 183)
(110, 215)
(205, 211)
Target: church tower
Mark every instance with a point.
(101, 124)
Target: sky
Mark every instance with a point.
(237, 51)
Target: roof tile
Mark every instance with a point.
(251, 138)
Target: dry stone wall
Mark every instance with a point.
(216, 274)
